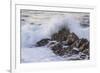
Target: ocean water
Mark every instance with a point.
(37, 25)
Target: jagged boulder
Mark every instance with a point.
(82, 45)
(61, 35)
(72, 37)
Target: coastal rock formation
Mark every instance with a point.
(66, 43)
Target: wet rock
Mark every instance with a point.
(83, 44)
(86, 51)
(66, 44)
(42, 42)
(76, 44)
(83, 56)
(75, 59)
(68, 50)
(72, 37)
(61, 35)
(57, 46)
(74, 52)
(58, 49)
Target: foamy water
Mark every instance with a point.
(39, 25)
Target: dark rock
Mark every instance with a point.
(61, 35)
(76, 44)
(68, 50)
(74, 52)
(83, 44)
(75, 59)
(60, 52)
(66, 44)
(57, 46)
(86, 51)
(83, 56)
(42, 42)
(72, 42)
(81, 41)
(72, 37)
(58, 49)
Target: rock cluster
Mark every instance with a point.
(66, 43)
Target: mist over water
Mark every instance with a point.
(40, 25)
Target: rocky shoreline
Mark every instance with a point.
(66, 43)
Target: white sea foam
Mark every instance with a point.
(30, 34)
(33, 33)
